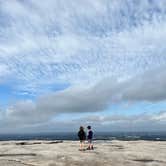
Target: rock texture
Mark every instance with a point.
(106, 153)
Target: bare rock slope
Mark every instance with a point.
(58, 153)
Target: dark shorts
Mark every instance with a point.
(89, 140)
(81, 141)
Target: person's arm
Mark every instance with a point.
(78, 134)
(90, 134)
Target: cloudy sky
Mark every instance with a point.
(66, 63)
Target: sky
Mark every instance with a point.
(66, 63)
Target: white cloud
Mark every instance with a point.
(80, 42)
(3, 70)
(149, 87)
(140, 122)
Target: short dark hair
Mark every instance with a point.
(81, 128)
(89, 127)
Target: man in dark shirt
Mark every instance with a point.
(90, 137)
(82, 137)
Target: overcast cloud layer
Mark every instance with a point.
(95, 52)
(131, 123)
(78, 42)
(149, 87)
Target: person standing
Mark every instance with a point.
(90, 137)
(82, 138)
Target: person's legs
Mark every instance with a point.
(81, 145)
(90, 146)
